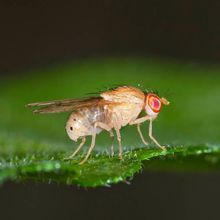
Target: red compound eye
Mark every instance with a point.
(154, 103)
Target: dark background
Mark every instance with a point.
(150, 196)
(43, 33)
(36, 33)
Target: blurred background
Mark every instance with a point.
(177, 43)
(46, 32)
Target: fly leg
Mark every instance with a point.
(100, 125)
(141, 135)
(77, 150)
(119, 142)
(138, 122)
(91, 147)
(143, 119)
(107, 128)
(152, 138)
(112, 147)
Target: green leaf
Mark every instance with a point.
(33, 147)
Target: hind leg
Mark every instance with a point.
(91, 147)
(100, 125)
(109, 129)
(77, 150)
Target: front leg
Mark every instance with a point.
(140, 120)
(141, 135)
(152, 138)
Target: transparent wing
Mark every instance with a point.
(65, 105)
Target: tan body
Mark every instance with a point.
(114, 115)
(113, 110)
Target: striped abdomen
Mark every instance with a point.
(81, 122)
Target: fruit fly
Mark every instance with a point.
(112, 110)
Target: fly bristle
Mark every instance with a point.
(106, 88)
(147, 90)
(115, 86)
(150, 90)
